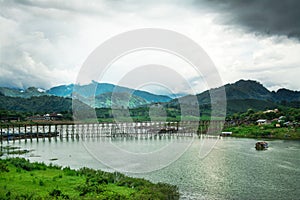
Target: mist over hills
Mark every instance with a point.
(241, 95)
(97, 95)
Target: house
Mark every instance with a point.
(53, 116)
(272, 111)
(46, 117)
(281, 119)
(261, 121)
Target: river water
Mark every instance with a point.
(232, 170)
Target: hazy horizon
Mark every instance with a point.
(149, 89)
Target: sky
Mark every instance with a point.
(45, 43)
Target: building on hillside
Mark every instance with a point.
(281, 119)
(53, 116)
(272, 111)
(262, 121)
(46, 117)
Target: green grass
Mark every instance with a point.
(265, 131)
(20, 179)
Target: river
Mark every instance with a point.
(232, 170)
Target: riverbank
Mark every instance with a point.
(264, 132)
(21, 179)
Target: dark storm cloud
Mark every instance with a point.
(271, 17)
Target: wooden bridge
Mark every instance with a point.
(12, 132)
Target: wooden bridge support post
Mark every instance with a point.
(49, 132)
(73, 130)
(19, 131)
(55, 132)
(13, 133)
(1, 134)
(61, 132)
(31, 132)
(25, 133)
(44, 133)
(37, 132)
(67, 131)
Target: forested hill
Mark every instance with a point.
(249, 89)
(241, 96)
(40, 104)
(87, 94)
(245, 94)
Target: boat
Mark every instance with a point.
(261, 145)
(225, 134)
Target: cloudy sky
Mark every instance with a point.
(44, 43)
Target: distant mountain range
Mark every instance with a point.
(245, 94)
(241, 95)
(249, 89)
(97, 95)
(28, 93)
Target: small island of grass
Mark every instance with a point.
(21, 179)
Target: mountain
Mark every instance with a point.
(249, 89)
(102, 92)
(97, 95)
(36, 104)
(29, 92)
(245, 94)
(241, 96)
(116, 99)
(61, 91)
(286, 95)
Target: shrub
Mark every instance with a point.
(26, 165)
(69, 172)
(57, 193)
(3, 167)
(41, 183)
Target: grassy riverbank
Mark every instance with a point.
(265, 131)
(20, 179)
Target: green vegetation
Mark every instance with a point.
(20, 179)
(240, 96)
(36, 104)
(265, 131)
(282, 124)
(290, 114)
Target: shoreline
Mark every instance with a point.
(263, 138)
(21, 178)
(267, 132)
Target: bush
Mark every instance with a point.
(86, 171)
(26, 165)
(69, 172)
(90, 188)
(57, 193)
(41, 183)
(3, 167)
